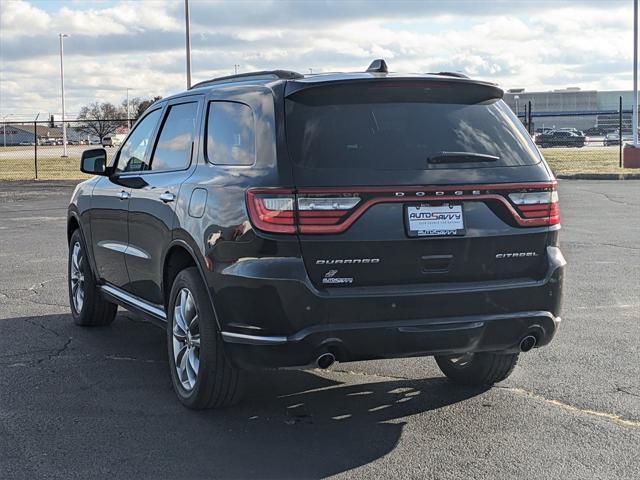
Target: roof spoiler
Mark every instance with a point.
(243, 77)
(450, 74)
(467, 90)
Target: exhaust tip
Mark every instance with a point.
(325, 360)
(527, 343)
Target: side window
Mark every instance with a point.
(131, 157)
(231, 136)
(175, 142)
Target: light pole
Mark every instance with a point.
(128, 115)
(188, 32)
(635, 75)
(64, 125)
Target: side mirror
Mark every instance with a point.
(94, 162)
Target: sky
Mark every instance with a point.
(140, 44)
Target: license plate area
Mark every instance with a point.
(444, 219)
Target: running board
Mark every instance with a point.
(127, 300)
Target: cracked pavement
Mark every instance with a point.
(97, 403)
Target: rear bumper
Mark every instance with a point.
(284, 321)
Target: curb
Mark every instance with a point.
(40, 183)
(599, 176)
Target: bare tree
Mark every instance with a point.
(137, 106)
(144, 104)
(134, 103)
(101, 119)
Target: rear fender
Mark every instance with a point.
(187, 243)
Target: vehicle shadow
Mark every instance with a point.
(111, 394)
(324, 427)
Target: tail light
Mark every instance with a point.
(538, 207)
(282, 211)
(322, 211)
(272, 210)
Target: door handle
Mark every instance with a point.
(124, 195)
(167, 197)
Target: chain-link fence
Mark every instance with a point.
(36, 150)
(585, 138)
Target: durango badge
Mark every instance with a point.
(347, 261)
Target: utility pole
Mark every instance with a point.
(188, 31)
(620, 132)
(64, 125)
(635, 75)
(128, 115)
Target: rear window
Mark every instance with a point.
(231, 136)
(415, 128)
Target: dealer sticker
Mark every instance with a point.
(430, 220)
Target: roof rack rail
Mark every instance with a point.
(240, 77)
(450, 74)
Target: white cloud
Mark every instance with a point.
(140, 44)
(19, 18)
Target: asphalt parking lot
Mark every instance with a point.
(97, 403)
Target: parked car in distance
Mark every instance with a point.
(613, 138)
(561, 138)
(22, 144)
(111, 142)
(570, 129)
(280, 220)
(595, 131)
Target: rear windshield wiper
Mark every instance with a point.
(461, 157)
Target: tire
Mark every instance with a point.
(88, 306)
(204, 377)
(477, 369)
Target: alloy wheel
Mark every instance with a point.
(76, 278)
(186, 339)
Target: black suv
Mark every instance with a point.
(277, 220)
(561, 138)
